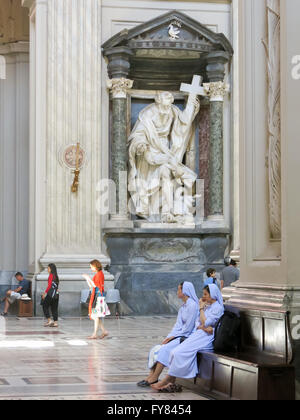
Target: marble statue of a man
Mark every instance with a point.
(159, 183)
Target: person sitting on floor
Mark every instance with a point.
(185, 325)
(183, 360)
(13, 295)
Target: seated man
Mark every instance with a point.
(13, 295)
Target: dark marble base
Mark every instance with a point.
(149, 266)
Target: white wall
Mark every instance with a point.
(73, 114)
(263, 261)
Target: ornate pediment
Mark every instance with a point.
(165, 51)
(172, 31)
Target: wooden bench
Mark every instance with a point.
(260, 370)
(25, 308)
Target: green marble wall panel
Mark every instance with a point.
(216, 159)
(119, 141)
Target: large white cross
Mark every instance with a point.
(195, 88)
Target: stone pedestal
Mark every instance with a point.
(156, 261)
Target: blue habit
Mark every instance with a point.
(183, 359)
(184, 327)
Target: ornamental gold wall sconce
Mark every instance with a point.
(74, 157)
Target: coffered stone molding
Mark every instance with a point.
(14, 24)
(15, 48)
(32, 3)
(28, 3)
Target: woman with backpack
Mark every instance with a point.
(183, 360)
(50, 298)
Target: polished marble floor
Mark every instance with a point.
(40, 363)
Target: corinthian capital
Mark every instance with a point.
(119, 87)
(216, 91)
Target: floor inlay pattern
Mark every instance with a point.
(65, 365)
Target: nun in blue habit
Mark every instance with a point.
(183, 359)
(184, 327)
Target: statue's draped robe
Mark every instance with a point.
(166, 143)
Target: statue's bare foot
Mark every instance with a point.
(168, 218)
(189, 218)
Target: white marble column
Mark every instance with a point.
(270, 269)
(259, 255)
(65, 109)
(290, 123)
(235, 179)
(37, 144)
(14, 161)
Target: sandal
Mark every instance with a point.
(49, 324)
(146, 384)
(171, 389)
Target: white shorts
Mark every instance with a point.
(13, 297)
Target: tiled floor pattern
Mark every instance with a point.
(39, 363)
